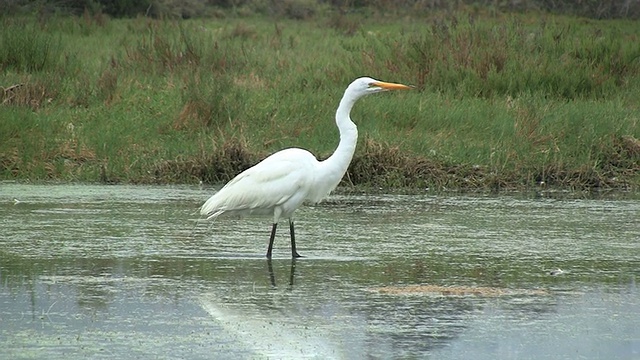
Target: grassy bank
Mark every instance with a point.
(502, 101)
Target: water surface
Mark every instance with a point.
(128, 272)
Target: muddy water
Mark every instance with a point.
(127, 272)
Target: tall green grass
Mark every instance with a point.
(26, 48)
(506, 101)
(556, 57)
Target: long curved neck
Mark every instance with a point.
(336, 165)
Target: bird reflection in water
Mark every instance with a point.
(272, 275)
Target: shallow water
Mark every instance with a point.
(127, 272)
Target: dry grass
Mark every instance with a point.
(381, 165)
(630, 145)
(527, 122)
(216, 166)
(33, 94)
(107, 84)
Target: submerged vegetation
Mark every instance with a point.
(503, 100)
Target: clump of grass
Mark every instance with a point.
(299, 9)
(107, 83)
(26, 48)
(243, 31)
(378, 164)
(64, 155)
(34, 94)
(163, 49)
(347, 25)
(205, 102)
(10, 164)
(467, 57)
(173, 48)
(529, 129)
(619, 160)
(217, 165)
(36, 61)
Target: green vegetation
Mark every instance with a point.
(503, 101)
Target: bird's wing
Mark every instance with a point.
(270, 183)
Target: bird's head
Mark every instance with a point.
(366, 85)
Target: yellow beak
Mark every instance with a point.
(391, 86)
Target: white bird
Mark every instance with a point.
(279, 184)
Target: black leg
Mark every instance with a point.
(273, 236)
(294, 253)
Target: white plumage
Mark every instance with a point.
(279, 184)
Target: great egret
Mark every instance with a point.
(279, 184)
